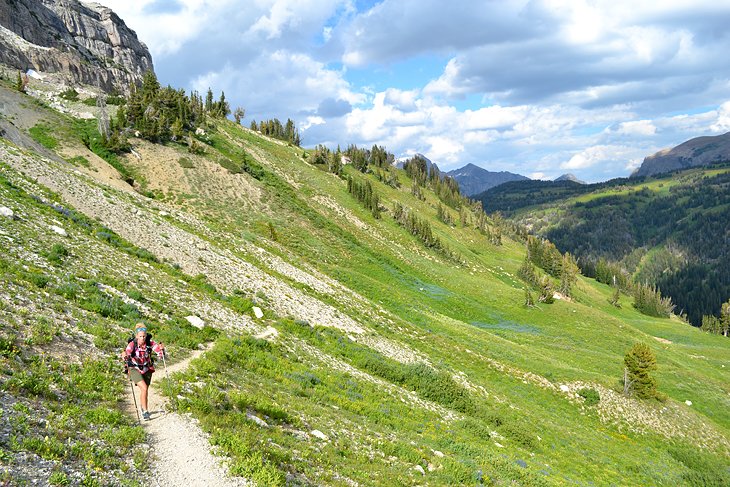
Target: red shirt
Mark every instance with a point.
(138, 356)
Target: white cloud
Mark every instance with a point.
(598, 154)
(166, 33)
(637, 127)
(587, 85)
(722, 124)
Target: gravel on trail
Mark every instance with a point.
(181, 451)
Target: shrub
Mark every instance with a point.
(70, 95)
(186, 163)
(705, 469)
(518, 433)
(8, 347)
(58, 478)
(57, 254)
(79, 161)
(590, 396)
(41, 133)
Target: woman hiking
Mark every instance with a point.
(138, 358)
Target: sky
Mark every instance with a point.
(535, 87)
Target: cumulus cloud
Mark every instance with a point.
(531, 86)
(636, 127)
(331, 107)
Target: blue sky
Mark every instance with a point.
(535, 87)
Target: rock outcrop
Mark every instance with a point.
(88, 43)
(700, 151)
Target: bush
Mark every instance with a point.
(41, 133)
(186, 163)
(705, 470)
(79, 161)
(590, 396)
(58, 254)
(519, 433)
(8, 347)
(70, 95)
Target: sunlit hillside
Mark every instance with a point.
(381, 358)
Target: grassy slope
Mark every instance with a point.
(466, 319)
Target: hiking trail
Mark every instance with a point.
(181, 453)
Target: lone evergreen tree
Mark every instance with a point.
(238, 114)
(639, 362)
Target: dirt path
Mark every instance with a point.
(182, 454)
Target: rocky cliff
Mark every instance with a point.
(700, 151)
(88, 43)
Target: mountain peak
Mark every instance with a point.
(700, 151)
(473, 179)
(570, 177)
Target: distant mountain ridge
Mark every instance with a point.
(473, 179)
(700, 151)
(401, 161)
(570, 177)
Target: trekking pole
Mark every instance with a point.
(131, 386)
(164, 362)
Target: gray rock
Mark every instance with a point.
(257, 312)
(59, 230)
(7, 212)
(319, 434)
(87, 42)
(196, 322)
(257, 420)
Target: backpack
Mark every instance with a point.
(148, 343)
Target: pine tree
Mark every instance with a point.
(711, 324)
(725, 318)
(640, 362)
(238, 114)
(529, 299)
(209, 101)
(615, 298)
(546, 290)
(19, 84)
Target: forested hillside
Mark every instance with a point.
(669, 232)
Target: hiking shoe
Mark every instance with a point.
(146, 415)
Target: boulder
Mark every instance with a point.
(257, 312)
(196, 321)
(257, 420)
(59, 230)
(7, 212)
(319, 434)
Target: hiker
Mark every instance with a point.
(138, 359)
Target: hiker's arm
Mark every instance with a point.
(158, 348)
(127, 351)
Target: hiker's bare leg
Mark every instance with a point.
(142, 394)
